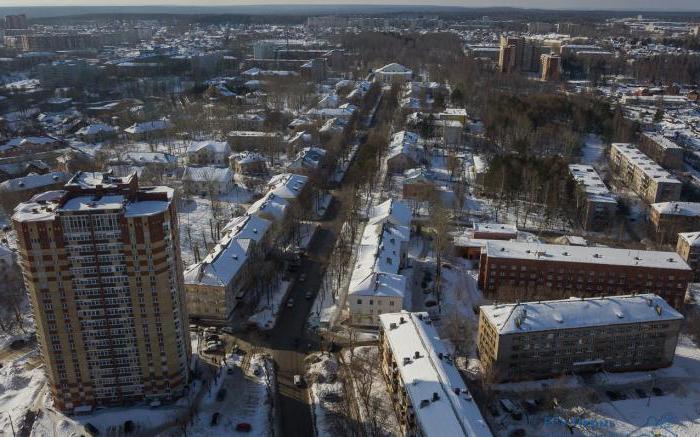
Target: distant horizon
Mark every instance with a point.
(632, 6)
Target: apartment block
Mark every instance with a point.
(512, 271)
(597, 205)
(671, 218)
(101, 264)
(688, 247)
(377, 285)
(662, 150)
(550, 66)
(643, 175)
(427, 391)
(547, 339)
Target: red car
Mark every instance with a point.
(243, 427)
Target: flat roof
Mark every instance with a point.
(662, 141)
(593, 185)
(578, 313)
(647, 165)
(687, 209)
(585, 255)
(431, 380)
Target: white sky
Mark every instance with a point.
(666, 5)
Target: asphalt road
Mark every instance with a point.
(289, 341)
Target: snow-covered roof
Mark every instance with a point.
(247, 157)
(585, 255)
(662, 141)
(593, 185)
(221, 265)
(394, 68)
(149, 126)
(142, 158)
(309, 157)
(644, 163)
(406, 143)
(207, 174)
(380, 251)
(496, 228)
(287, 185)
(212, 146)
(270, 205)
(575, 313)
(33, 181)
(441, 401)
(693, 238)
(688, 209)
(96, 129)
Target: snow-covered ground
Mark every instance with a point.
(20, 387)
(267, 311)
(674, 411)
(198, 227)
(326, 392)
(592, 150)
(247, 399)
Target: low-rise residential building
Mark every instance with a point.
(643, 175)
(512, 271)
(671, 218)
(254, 141)
(469, 244)
(597, 205)
(688, 247)
(308, 158)
(376, 284)
(218, 283)
(97, 132)
(427, 391)
(404, 152)
(208, 153)
(393, 72)
(546, 339)
(207, 180)
(662, 150)
(248, 163)
(149, 129)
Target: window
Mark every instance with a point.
(359, 301)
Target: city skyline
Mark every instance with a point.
(614, 5)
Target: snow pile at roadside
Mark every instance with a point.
(327, 395)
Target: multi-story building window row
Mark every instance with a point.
(512, 271)
(101, 264)
(551, 338)
(597, 205)
(643, 175)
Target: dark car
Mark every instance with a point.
(215, 419)
(92, 429)
(657, 391)
(244, 427)
(129, 426)
(221, 395)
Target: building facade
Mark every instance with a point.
(597, 205)
(662, 150)
(547, 339)
(670, 218)
(688, 247)
(427, 391)
(643, 175)
(512, 271)
(101, 263)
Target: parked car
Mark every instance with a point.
(290, 302)
(215, 419)
(244, 427)
(308, 295)
(302, 277)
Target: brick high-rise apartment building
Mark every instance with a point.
(101, 264)
(512, 271)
